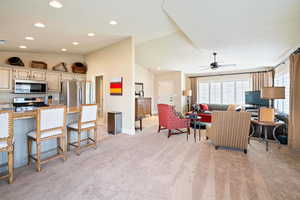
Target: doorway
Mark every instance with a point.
(99, 95)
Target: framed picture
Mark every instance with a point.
(139, 89)
(116, 87)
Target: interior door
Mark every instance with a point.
(166, 92)
(99, 94)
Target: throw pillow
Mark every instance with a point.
(204, 107)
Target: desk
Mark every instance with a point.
(262, 125)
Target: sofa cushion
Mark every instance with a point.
(204, 107)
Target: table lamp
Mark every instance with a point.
(272, 93)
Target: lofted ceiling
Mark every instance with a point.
(170, 34)
(248, 33)
(144, 20)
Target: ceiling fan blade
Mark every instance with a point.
(227, 65)
(204, 67)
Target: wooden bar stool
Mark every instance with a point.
(6, 141)
(86, 122)
(50, 124)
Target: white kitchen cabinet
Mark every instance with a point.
(22, 74)
(38, 75)
(67, 76)
(53, 79)
(6, 79)
(80, 77)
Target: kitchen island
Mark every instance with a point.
(25, 122)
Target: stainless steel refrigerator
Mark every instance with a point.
(74, 93)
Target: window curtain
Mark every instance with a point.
(194, 90)
(294, 117)
(262, 79)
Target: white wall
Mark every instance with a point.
(49, 58)
(146, 76)
(115, 61)
(176, 83)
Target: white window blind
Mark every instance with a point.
(242, 86)
(283, 79)
(228, 92)
(215, 92)
(203, 92)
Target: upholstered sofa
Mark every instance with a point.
(204, 110)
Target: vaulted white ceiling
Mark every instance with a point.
(145, 20)
(170, 34)
(249, 33)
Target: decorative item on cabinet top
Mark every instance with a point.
(61, 67)
(38, 64)
(16, 61)
(79, 67)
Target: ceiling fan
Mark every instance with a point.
(215, 65)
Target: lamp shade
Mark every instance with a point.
(273, 93)
(187, 93)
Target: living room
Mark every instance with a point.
(161, 99)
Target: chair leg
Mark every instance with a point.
(96, 137)
(88, 136)
(158, 129)
(38, 156)
(58, 144)
(10, 167)
(195, 131)
(78, 143)
(29, 149)
(62, 146)
(68, 139)
(199, 135)
(170, 133)
(245, 151)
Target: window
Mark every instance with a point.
(227, 91)
(242, 86)
(203, 92)
(215, 92)
(283, 79)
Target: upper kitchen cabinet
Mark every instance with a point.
(6, 79)
(53, 79)
(22, 74)
(39, 75)
(80, 77)
(29, 74)
(67, 76)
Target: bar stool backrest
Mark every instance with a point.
(51, 118)
(6, 127)
(88, 114)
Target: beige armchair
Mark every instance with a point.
(230, 129)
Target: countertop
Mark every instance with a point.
(32, 114)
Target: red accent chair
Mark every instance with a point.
(168, 120)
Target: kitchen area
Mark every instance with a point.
(24, 89)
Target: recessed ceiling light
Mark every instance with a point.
(63, 49)
(29, 38)
(158, 68)
(22, 47)
(39, 25)
(113, 22)
(91, 34)
(2, 41)
(55, 4)
(75, 43)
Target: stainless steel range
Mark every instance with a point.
(22, 104)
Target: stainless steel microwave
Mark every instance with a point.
(30, 87)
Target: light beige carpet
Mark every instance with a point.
(149, 166)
